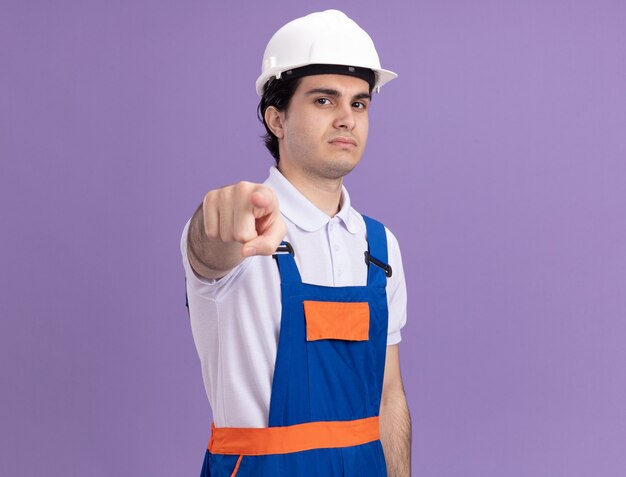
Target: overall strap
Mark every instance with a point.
(376, 256)
(287, 265)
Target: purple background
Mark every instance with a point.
(498, 158)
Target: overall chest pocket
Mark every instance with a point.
(349, 321)
(341, 360)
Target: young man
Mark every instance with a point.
(296, 300)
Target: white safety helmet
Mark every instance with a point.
(321, 38)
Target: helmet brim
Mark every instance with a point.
(382, 77)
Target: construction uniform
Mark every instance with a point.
(322, 417)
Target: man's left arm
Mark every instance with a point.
(395, 421)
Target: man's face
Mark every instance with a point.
(325, 126)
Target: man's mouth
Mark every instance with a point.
(343, 142)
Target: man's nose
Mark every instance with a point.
(345, 117)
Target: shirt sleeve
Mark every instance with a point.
(396, 292)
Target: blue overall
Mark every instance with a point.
(323, 380)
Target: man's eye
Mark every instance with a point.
(322, 101)
(359, 105)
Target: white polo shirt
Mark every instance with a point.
(235, 320)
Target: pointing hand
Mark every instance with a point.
(246, 213)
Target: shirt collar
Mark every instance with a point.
(301, 211)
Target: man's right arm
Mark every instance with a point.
(232, 223)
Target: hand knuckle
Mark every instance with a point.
(242, 187)
(209, 198)
(242, 236)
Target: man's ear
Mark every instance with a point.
(274, 120)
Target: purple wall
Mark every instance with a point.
(498, 158)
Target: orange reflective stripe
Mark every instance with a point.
(337, 320)
(296, 438)
(236, 466)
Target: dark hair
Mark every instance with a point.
(277, 93)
